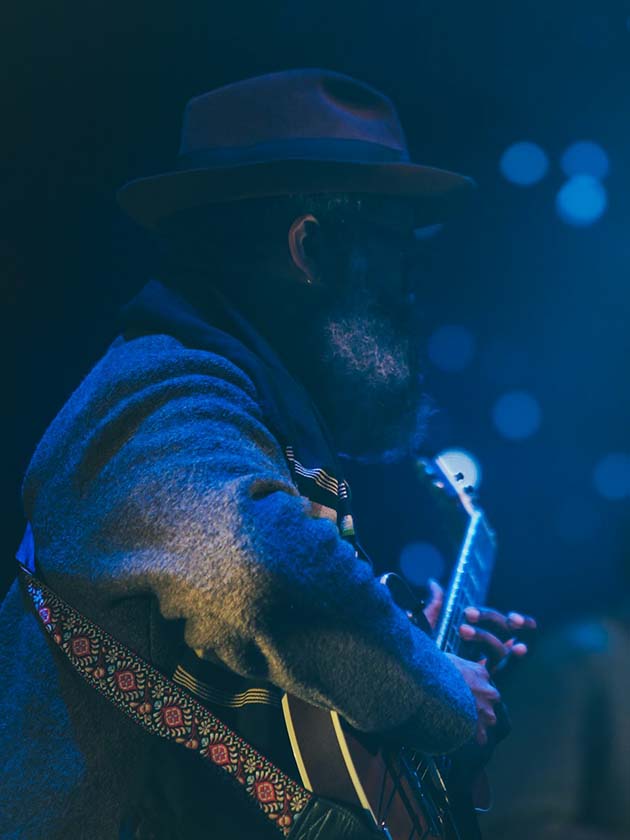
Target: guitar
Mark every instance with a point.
(403, 792)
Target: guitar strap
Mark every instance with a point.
(155, 702)
(163, 708)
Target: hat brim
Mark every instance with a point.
(436, 192)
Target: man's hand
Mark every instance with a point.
(498, 643)
(496, 646)
(485, 694)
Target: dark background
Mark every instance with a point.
(93, 96)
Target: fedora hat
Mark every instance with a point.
(298, 131)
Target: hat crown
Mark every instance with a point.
(306, 130)
(291, 105)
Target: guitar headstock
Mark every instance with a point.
(455, 484)
(470, 576)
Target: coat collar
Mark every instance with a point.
(288, 410)
(221, 328)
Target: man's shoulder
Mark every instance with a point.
(131, 372)
(155, 356)
(151, 370)
(131, 381)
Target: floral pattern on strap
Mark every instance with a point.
(164, 708)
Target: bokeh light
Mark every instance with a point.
(451, 348)
(581, 201)
(612, 476)
(461, 461)
(588, 636)
(516, 415)
(427, 232)
(524, 163)
(585, 158)
(420, 561)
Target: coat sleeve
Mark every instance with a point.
(182, 492)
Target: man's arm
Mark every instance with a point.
(182, 491)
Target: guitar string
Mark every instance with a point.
(466, 597)
(463, 597)
(411, 813)
(383, 814)
(414, 782)
(391, 796)
(414, 833)
(422, 833)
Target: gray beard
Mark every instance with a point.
(371, 387)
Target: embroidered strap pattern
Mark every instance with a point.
(162, 707)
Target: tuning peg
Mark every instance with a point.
(459, 476)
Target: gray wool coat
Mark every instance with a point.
(163, 508)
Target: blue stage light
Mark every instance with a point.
(585, 158)
(581, 201)
(612, 476)
(516, 415)
(461, 461)
(419, 561)
(524, 163)
(451, 348)
(588, 636)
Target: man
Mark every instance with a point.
(188, 497)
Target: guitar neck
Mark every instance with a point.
(469, 582)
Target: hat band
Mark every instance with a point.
(299, 148)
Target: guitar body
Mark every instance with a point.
(339, 763)
(408, 795)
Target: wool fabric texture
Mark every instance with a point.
(163, 508)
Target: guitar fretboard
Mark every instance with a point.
(470, 580)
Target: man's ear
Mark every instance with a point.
(302, 237)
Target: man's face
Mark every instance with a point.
(369, 342)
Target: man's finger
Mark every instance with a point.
(516, 648)
(436, 599)
(502, 626)
(492, 646)
(487, 615)
(488, 715)
(519, 621)
(482, 735)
